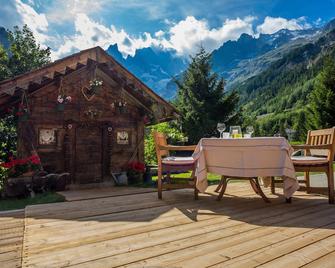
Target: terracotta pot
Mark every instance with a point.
(28, 173)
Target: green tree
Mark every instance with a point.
(4, 70)
(322, 97)
(201, 99)
(301, 125)
(25, 54)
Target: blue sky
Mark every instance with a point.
(68, 26)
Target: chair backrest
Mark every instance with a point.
(322, 137)
(160, 140)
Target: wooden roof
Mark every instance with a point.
(11, 89)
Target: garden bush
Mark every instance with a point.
(172, 132)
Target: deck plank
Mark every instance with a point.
(11, 238)
(306, 254)
(326, 261)
(85, 194)
(138, 230)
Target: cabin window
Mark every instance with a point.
(47, 137)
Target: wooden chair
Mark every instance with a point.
(168, 164)
(318, 157)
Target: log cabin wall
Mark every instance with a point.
(91, 133)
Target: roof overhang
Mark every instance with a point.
(11, 89)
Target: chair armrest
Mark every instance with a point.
(308, 147)
(177, 148)
(296, 152)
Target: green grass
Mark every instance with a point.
(302, 173)
(212, 178)
(19, 203)
(215, 179)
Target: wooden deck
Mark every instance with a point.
(141, 231)
(11, 238)
(110, 191)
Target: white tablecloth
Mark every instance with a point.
(253, 157)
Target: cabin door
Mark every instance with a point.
(88, 162)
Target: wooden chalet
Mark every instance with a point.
(74, 129)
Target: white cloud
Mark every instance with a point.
(19, 13)
(272, 25)
(159, 34)
(89, 33)
(38, 23)
(187, 35)
(64, 11)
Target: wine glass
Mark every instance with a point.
(250, 130)
(221, 127)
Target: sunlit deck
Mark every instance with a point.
(139, 230)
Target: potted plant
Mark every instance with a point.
(135, 172)
(95, 86)
(61, 101)
(22, 112)
(19, 175)
(122, 107)
(22, 167)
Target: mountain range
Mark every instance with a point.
(155, 67)
(4, 37)
(235, 60)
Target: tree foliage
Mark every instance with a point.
(172, 132)
(4, 68)
(23, 55)
(201, 99)
(285, 95)
(322, 97)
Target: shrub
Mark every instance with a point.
(170, 130)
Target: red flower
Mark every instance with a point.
(34, 159)
(7, 165)
(137, 166)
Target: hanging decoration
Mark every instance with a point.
(158, 110)
(23, 111)
(62, 98)
(20, 111)
(146, 119)
(93, 113)
(122, 106)
(94, 87)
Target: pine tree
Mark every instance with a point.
(322, 97)
(301, 125)
(201, 99)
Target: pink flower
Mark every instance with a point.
(68, 99)
(60, 99)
